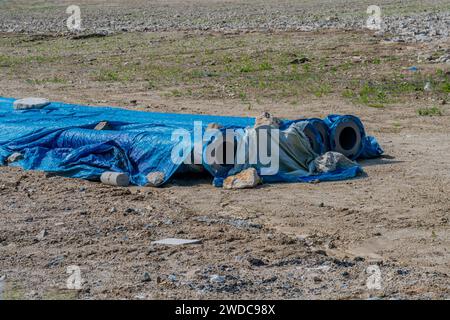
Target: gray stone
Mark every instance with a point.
(217, 279)
(41, 235)
(30, 103)
(317, 279)
(172, 278)
(403, 272)
(235, 17)
(444, 58)
(146, 277)
(256, 262)
(56, 261)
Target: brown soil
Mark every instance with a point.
(312, 241)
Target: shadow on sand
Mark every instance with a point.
(384, 159)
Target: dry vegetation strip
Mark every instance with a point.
(250, 67)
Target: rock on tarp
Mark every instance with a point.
(60, 138)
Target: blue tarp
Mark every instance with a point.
(60, 138)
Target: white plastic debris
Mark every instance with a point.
(177, 242)
(115, 179)
(30, 103)
(16, 156)
(330, 161)
(103, 125)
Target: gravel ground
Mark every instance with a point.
(402, 20)
(242, 255)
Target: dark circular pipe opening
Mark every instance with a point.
(348, 138)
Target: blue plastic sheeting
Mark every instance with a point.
(317, 123)
(60, 139)
(337, 175)
(332, 121)
(369, 146)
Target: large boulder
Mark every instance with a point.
(248, 178)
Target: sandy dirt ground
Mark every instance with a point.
(292, 241)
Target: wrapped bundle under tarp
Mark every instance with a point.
(60, 138)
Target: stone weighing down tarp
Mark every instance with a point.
(60, 138)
